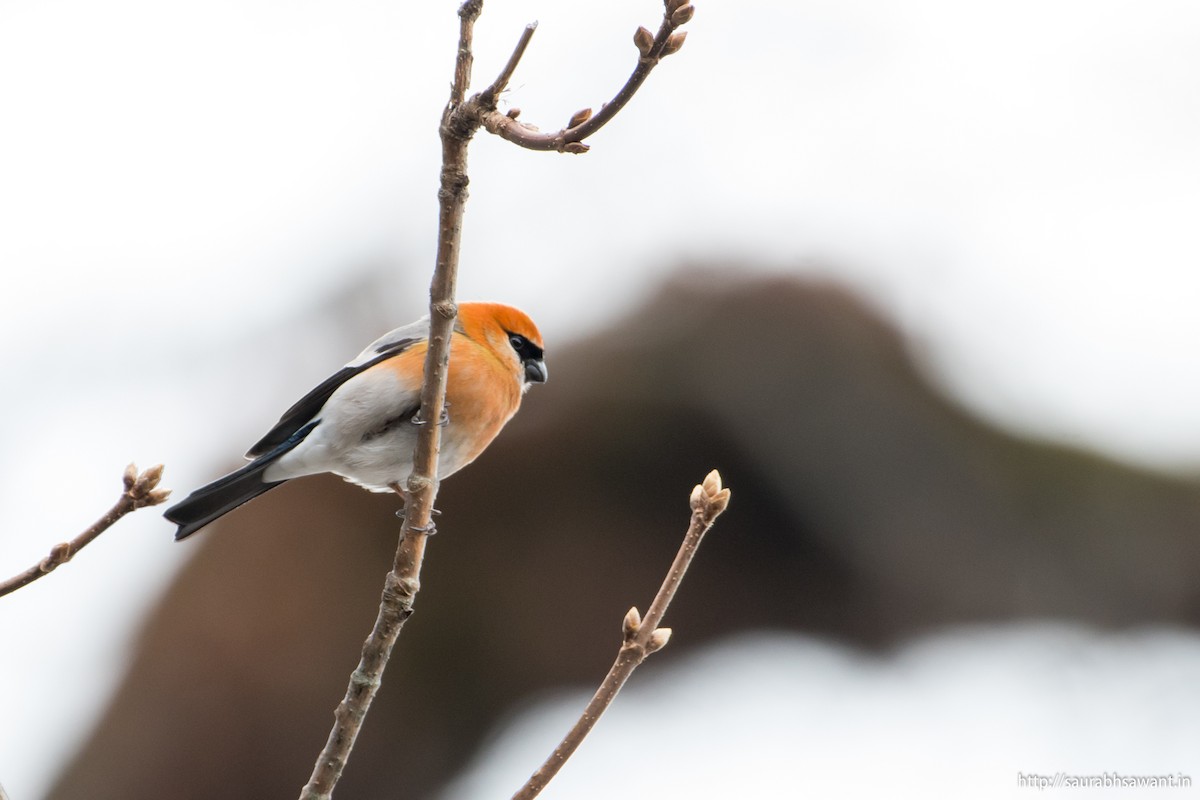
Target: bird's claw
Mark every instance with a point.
(433, 512)
(443, 419)
(429, 529)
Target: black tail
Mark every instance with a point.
(225, 494)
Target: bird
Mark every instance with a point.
(361, 423)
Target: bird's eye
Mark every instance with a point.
(517, 341)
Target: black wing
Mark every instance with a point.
(225, 494)
(307, 407)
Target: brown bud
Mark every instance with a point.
(712, 483)
(446, 308)
(580, 117)
(130, 476)
(644, 40)
(151, 477)
(631, 623)
(681, 15)
(575, 148)
(710, 498)
(59, 554)
(719, 502)
(146, 482)
(674, 42)
(158, 496)
(513, 113)
(672, 5)
(658, 640)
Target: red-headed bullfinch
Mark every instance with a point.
(362, 422)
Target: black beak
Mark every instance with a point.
(535, 371)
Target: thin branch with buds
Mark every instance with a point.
(460, 120)
(642, 636)
(140, 491)
(652, 48)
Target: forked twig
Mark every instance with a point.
(652, 48)
(460, 120)
(489, 95)
(642, 636)
(140, 491)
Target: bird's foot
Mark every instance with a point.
(443, 419)
(428, 530)
(433, 512)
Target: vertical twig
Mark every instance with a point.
(461, 118)
(403, 582)
(641, 636)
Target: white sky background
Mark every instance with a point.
(1017, 185)
(831, 723)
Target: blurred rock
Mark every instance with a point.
(865, 507)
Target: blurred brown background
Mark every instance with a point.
(865, 507)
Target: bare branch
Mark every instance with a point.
(460, 120)
(468, 12)
(403, 582)
(394, 608)
(642, 636)
(140, 491)
(651, 50)
(488, 97)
